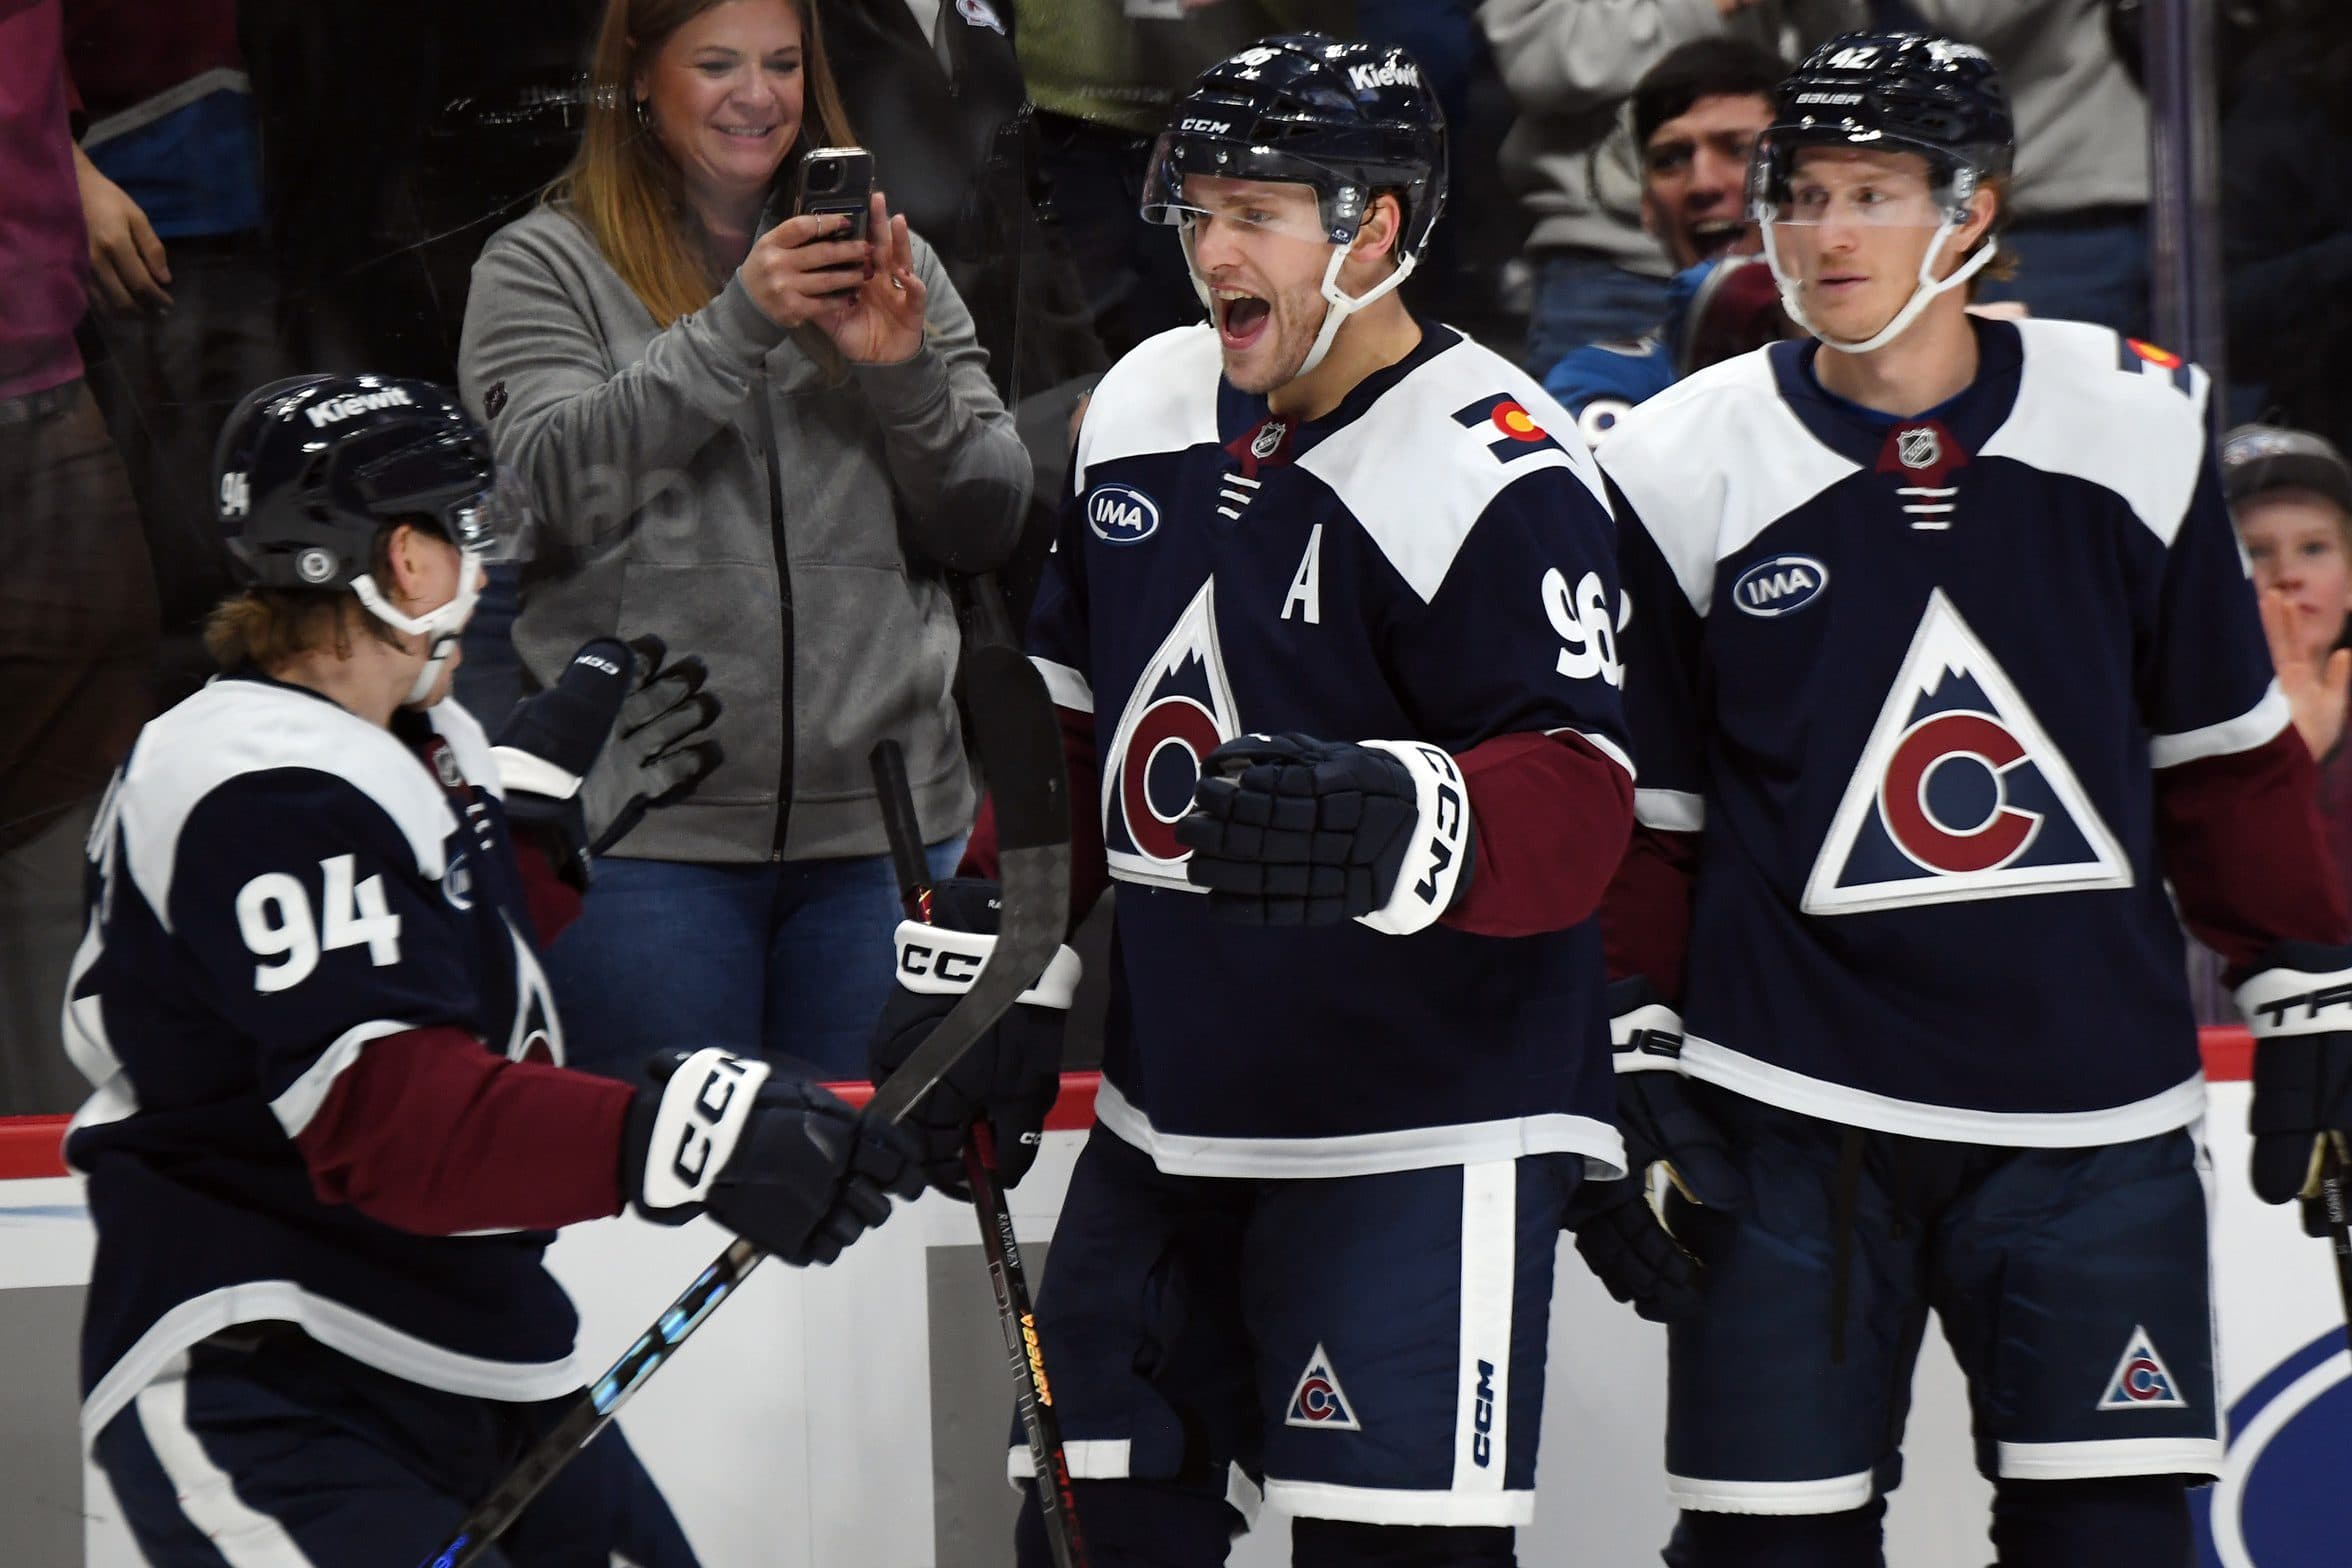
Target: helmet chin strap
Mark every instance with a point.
(1929, 287)
(440, 627)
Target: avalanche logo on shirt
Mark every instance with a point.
(1960, 794)
(1181, 710)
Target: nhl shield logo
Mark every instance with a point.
(1181, 710)
(1960, 793)
(1919, 447)
(1268, 440)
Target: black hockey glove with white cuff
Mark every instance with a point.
(2299, 1008)
(1287, 830)
(617, 734)
(1011, 1075)
(1630, 1250)
(1656, 1110)
(781, 1163)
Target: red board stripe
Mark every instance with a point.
(29, 1144)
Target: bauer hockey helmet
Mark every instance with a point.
(1889, 92)
(309, 470)
(1346, 120)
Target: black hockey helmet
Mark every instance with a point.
(1345, 119)
(309, 469)
(1901, 92)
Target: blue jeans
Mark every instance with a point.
(1581, 298)
(785, 959)
(2088, 267)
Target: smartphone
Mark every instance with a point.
(836, 179)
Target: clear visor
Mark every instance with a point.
(486, 511)
(499, 524)
(1204, 187)
(1884, 183)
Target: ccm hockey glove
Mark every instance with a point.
(2299, 1007)
(616, 734)
(1287, 830)
(783, 1164)
(1012, 1073)
(1656, 1111)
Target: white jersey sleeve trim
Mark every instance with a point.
(1670, 810)
(1602, 744)
(2079, 412)
(332, 1324)
(1367, 1153)
(1065, 685)
(1399, 1505)
(1712, 462)
(1160, 397)
(236, 727)
(1836, 1495)
(2163, 1112)
(302, 1098)
(2113, 1456)
(2257, 726)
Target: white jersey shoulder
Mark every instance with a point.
(2092, 406)
(234, 728)
(1713, 461)
(1160, 397)
(1420, 466)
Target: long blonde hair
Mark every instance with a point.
(622, 183)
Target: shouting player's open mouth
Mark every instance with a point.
(1241, 318)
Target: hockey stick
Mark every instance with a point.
(1032, 1392)
(1020, 750)
(2330, 1215)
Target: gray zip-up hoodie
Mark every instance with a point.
(665, 465)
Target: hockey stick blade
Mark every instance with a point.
(1019, 745)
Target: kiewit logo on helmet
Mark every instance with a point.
(335, 409)
(1388, 73)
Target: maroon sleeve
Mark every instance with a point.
(554, 903)
(2245, 852)
(1549, 815)
(1646, 917)
(429, 1132)
(1089, 870)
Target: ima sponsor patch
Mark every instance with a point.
(2141, 1380)
(1959, 792)
(1181, 709)
(1513, 430)
(1319, 1401)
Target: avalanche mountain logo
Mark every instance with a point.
(1181, 710)
(1319, 1401)
(1960, 793)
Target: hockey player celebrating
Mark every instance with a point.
(1941, 663)
(1331, 620)
(329, 1138)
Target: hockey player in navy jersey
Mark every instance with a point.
(330, 1135)
(1331, 621)
(1941, 664)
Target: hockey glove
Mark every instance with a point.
(783, 1164)
(2299, 1007)
(1656, 1111)
(1630, 1250)
(1287, 830)
(1012, 1073)
(617, 734)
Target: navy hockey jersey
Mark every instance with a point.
(1925, 691)
(1426, 562)
(276, 882)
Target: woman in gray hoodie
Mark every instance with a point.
(765, 440)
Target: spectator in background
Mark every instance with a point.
(1570, 65)
(77, 604)
(1103, 73)
(2078, 203)
(169, 172)
(768, 442)
(1695, 118)
(2290, 494)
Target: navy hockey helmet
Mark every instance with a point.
(310, 469)
(1345, 119)
(1902, 92)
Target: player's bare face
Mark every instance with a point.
(1852, 231)
(1695, 177)
(2295, 539)
(1259, 247)
(724, 93)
